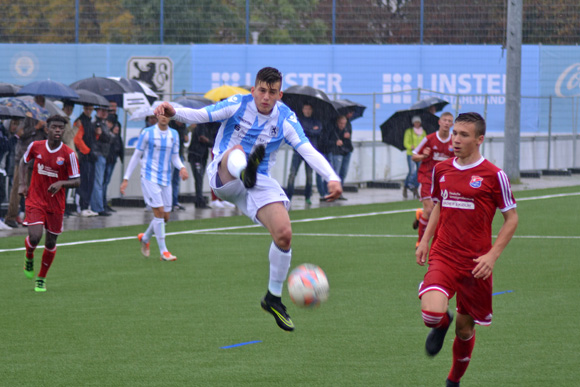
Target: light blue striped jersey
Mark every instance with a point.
(243, 125)
(157, 146)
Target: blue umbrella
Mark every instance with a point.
(48, 88)
(194, 101)
(8, 89)
(27, 107)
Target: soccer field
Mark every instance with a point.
(113, 318)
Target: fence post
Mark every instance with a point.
(333, 21)
(374, 134)
(575, 114)
(76, 21)
(161, 22)
(247, 21)
(549, 131)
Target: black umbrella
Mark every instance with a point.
(343, 106)
(89, 98)
(295, 97)
(194, 101)
(113, 91)
(48, 88)
(429, 102)
(138, 87)
(7, 112)
(8, 89)
(393, 129)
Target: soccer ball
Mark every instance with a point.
(308, 286)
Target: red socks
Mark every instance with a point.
(462, 350)
(47, 258)
(29, 249)
(434, 319)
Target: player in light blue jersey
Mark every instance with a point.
(253, 127)
(158, 151)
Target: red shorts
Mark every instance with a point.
(473, 294)
(52, 221)
(425, 191)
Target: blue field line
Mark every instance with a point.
(240, 344)
(505, 291)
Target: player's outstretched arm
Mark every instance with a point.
(422, 251)
(165, 109)
(334, 190)
(486, 262)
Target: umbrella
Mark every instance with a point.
(145, 111)
(48, 88)
(139, 87)
(322, 108)
(429, 102)
(7, 112)
(393, 129)
(89, 98)
(223, 92)
(49, 105)
(26, 106)
(8, 89)
(343, 106)
(114, 91)
(194, 101)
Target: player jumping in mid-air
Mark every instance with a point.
(55, 168)
(467, 190)
(256, 125)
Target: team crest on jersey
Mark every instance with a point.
(274, 131)
(450, 148)
(475, 181)
(60, 160)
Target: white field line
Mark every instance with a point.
(223, 230)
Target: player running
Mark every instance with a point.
(55, 168)
(467, 190)
(433, 149)
(158, 151)
(256, 125)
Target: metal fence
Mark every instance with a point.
(284, 21)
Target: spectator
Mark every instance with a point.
(116, 150)
(413, 136)
(33, 130)
(101, 150)
(202, 139)
(85, 139)
(313, 129)
(340, 148)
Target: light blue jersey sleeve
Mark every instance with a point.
(143, 139)
(218, 112)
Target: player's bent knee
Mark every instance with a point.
(283, 238)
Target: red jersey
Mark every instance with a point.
(441, 150)
(50, 166)
(469, 196)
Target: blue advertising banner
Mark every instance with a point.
(470, 78)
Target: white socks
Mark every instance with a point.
(279, 266)
(159, 228)
(236, 162)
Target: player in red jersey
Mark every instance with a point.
(433, 149)
(467, 190)
(55, 168)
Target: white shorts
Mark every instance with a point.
(249, 201)
(156, 195)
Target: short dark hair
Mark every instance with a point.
(68, 103)
(473, 118)
(269, 75)
(57, 118)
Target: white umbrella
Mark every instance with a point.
(145, 111)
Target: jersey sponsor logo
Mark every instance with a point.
(237, 127)
(46, 171)
(475, 181)
(459, 204)
(60, 160)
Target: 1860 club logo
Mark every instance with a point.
(155, 72)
